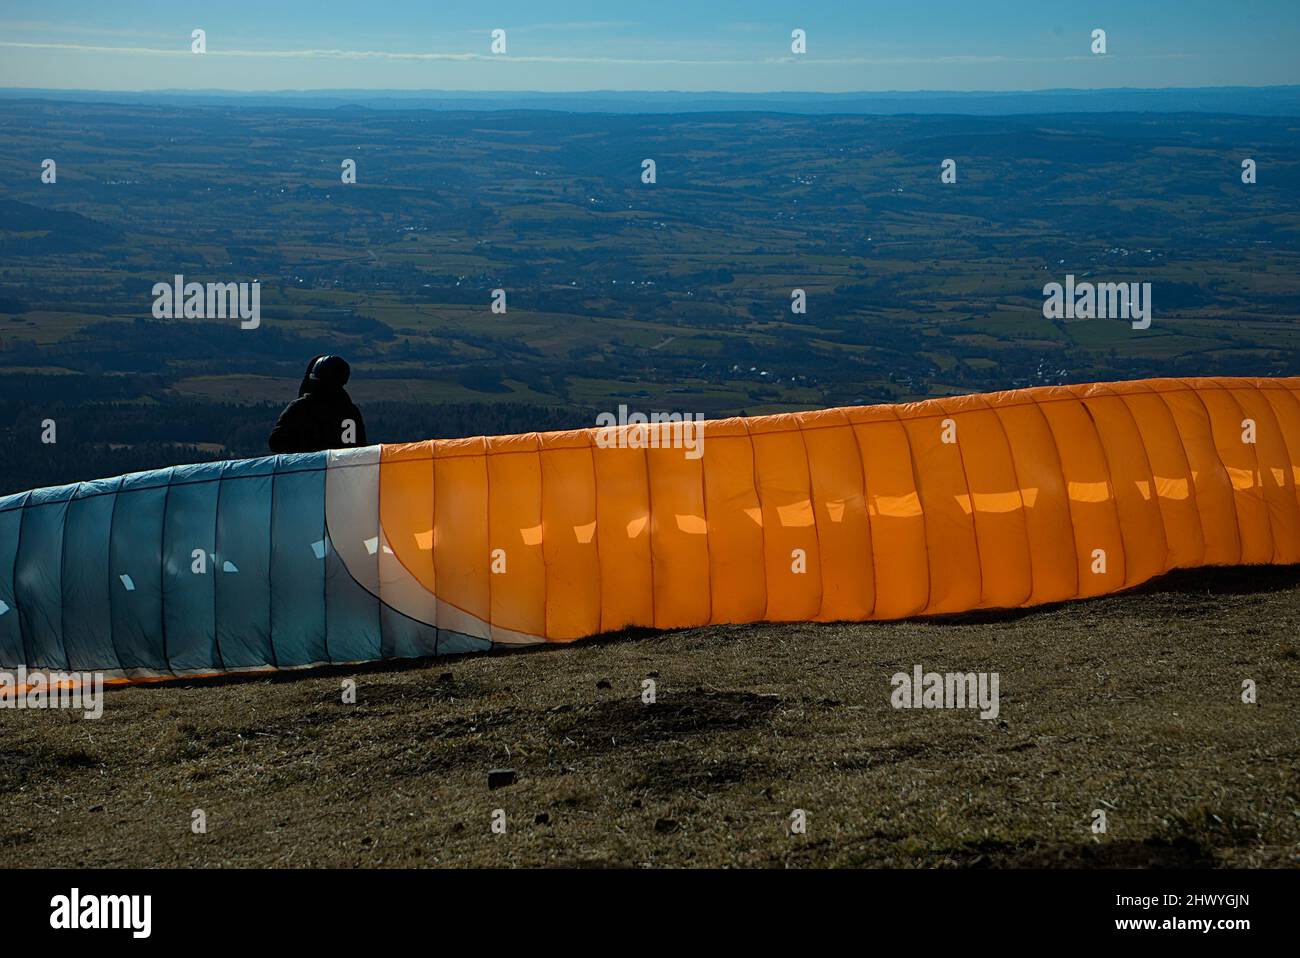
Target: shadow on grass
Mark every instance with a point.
(1191, 840)
(1210, 581)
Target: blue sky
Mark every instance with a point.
(565, 45)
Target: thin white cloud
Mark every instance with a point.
(581, 25)
(325, 54)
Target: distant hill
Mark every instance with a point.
(1255, 101)
(33, 230)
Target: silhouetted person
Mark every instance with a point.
(323, 416)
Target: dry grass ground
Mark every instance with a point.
(1131, 704)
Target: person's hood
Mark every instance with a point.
(331, 373)
(307, 383)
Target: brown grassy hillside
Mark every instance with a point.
(1129, 704)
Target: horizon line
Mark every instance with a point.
(607, 91)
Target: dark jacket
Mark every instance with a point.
(317, 419)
